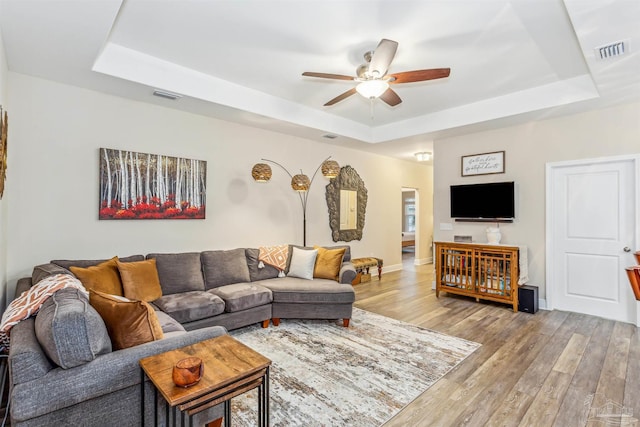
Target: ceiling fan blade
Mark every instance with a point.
(390, 97)
(382, 57)
(341, 97)
(327, 76)
(420, 75)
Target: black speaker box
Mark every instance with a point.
(528, 299)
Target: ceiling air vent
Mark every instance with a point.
(167, 95)
(612, 50)
(329, 136)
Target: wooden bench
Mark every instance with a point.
(362, 266)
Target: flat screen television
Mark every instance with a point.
(495, 200)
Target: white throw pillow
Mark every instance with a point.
(302, 263)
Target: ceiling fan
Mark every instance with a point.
(373, 78)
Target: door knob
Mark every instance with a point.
(627, 249)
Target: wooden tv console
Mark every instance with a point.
(482, 271)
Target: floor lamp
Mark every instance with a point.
(261, 172)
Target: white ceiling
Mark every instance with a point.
(511, 61)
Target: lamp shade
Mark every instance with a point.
(300, 182)
(261, 172)
(330, 169)
(372, 88)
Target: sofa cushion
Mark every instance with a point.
(103, 277)
(301, 291)
(140, 280)
(168, 323)
(43, 271)
(302, 263)
(241, 296)
(224, 267)
(255, 272)
(129, 323)
(189, 306)
(328, 263)
(180, 272)
(84, 263)
(70, 331)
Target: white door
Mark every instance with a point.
(591, 225)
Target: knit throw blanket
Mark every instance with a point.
(30, 301)
(275, 256)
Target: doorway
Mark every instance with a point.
(592, 231)
(409, 225)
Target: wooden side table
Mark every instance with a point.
(230, 369)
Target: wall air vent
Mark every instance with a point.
(612, 50)
(167, 95)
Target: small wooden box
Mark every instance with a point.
(366, 277)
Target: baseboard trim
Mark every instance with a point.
(422, 261)
(386, 269)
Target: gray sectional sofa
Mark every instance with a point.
(204, 294)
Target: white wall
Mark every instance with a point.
(57, 131)
(3, 203)
(607, 132)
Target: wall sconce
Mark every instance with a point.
(423, 156)
(261, 172)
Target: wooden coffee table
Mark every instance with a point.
(230, 369)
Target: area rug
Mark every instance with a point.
(326, 375)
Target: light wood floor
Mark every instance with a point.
(532, 370)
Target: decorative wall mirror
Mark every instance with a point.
(347, 204)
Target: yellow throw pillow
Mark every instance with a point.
(328, 263)
(103, 277)
(140, 280)
(129, 323)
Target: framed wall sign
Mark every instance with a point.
(483, 164)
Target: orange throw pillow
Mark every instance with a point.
(129, 323)
(140, 280)
(103, 277)
(328, 263)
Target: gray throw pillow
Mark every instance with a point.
(69, 330)
(224, 268)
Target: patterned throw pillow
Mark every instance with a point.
(275, 256)
(30, 301)
(129, 323)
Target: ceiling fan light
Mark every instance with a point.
(423, 156)
(372, 88)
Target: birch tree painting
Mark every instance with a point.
(151, 186)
